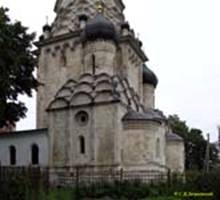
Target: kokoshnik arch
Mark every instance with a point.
(95, 106)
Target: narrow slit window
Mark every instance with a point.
(158, 148)
(82, 145)
(12, 151)
(35, 154)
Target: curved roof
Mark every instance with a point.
(133, 115)
(157, 114)
(95, 89)
(151, 115)
(149, 76)
(99, 28)
(173, 137)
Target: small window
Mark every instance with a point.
(82, 118)
(82, 145)
(35, 154)
(12, 151)
(158, 148)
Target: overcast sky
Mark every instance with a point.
(182, 40)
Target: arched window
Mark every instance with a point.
(82, 145)
(12, 152)
(158, 148)
(34, 154)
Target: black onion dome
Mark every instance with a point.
(46, 28)
(149, 76)
(125, 25)
(99, 28)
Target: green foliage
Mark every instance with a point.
(17, 64)
(22, 184)
(195, 144)
(17, 187)
(20, 187)
(210, 183)
(127, 190)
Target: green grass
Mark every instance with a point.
(61, 195)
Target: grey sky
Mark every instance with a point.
(182, 40)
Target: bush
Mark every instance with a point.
(17, 187)
(210, 182)
(20, 187)
(127, 190)
(21, 184)
(196, 181)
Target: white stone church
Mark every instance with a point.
(95, 104)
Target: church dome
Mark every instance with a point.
(149, 76)
(99, 28)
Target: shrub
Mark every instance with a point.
(15, 188)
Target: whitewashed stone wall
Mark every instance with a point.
(53, 72)
(131, 67)
(175, 156)
(100, 133)
(104, 52)
(58, 138)
(63, 56)
(58, 62)
(148, 96)
(23, 142)
(106, 134)
(139, 145)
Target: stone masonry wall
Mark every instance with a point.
(148, 96)
(104, 52)
(175, 156)
(58, 63)
(139, 144)
(100, 133)
(131, 68)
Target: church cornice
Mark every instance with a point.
(57, 39)
(134, 44)
(16, 133)
(123, 39)
(84, 105)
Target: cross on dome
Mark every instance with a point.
(99, 6)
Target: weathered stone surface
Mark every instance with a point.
(103, 78)
(68, 12)
(175, 154)
(96, 108)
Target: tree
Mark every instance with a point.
(17, 63)
(195, 144)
